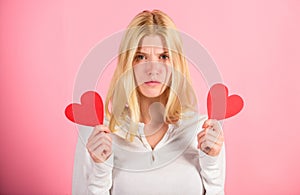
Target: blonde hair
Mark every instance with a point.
(122, 99)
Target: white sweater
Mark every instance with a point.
(174, 166)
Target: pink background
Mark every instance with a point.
(254, 43)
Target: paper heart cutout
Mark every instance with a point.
(220, 105)
(89, 112)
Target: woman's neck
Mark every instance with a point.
(152, 110)
(152, 115)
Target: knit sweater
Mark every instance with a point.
(174, 166)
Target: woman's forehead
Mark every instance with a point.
(152, 41)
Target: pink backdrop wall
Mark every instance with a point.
(254, 43)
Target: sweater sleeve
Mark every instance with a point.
(90, 177)
(213, 172)
(100, 180)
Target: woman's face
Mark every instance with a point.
(152, 67)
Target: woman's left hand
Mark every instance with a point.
(210, 139)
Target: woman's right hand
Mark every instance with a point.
(99, 144)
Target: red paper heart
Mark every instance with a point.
(89, 112)
(219, 105)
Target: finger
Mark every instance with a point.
(206, 146)
(201, 140)
(216, 140)
(207, 123)
(214, 145)
(98, 129)
(96, 145)
(210, 139)
(210, 144)
(216, 126)
(97, 140)
(215, 150)
(98, 157)
(103, 128)
(102, 152)
(210, 148)
(100, 143)
(101, 134)
(216, 133)
(108, 150)
(200, 134)
(212, 132)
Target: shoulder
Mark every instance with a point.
(192, 119)
(190, 123)
(121, 130)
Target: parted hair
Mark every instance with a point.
(122, 100)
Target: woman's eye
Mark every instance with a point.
(164, 57)
(140, 57)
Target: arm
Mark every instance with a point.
(212, 157)
(100, 180)
(90, 177)
(213, 172)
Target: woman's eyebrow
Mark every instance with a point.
(164, 52)
(140, 52)
(158, 53)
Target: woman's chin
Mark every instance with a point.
(151, 93)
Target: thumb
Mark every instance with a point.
(103, 128)
(206, 123)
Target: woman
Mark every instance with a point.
(153, 140)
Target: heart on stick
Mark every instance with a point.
(220, 105)
(89, 112)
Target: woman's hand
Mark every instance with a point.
(211, 139)
(99, 144)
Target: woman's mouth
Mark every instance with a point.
(152, 83)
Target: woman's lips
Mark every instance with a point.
(152, 83)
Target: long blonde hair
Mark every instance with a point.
(122, 99)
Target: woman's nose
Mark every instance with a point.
(153, 68)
